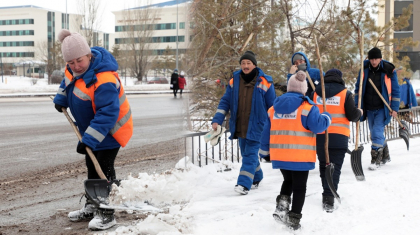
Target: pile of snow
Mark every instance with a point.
(19, 84)
(202, 200)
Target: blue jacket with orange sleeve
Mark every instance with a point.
(262, 99)
(98, 103)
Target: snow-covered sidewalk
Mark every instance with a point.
(202, 201)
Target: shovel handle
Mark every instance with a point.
(359, 104)
(386, 103)
(88, 150)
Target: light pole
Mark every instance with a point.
(177, 34)
(1, 61)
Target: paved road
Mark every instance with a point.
(41, 173)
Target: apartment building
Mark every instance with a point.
(394, 8)
(165, 26)
(27, 34)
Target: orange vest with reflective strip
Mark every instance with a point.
(335, 106)
(289, 140)
(388, 85)
(123, 129)
(264, 84)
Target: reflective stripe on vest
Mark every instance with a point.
(264, 84)
(289, 140)
(123, 128)
(335, 106)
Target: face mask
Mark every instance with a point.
(302, 67)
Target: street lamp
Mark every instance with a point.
(1, 61)
(177, 25)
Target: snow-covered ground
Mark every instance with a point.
(202, 200)
(25, 85)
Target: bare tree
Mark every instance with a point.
(136, 45)
(90, 20)
(51, 55)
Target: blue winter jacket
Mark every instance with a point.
(395, 88)
(407, 94)
(105, 99)
(262, 100)
(314, 73)
(315, 122)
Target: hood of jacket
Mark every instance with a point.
(102, 61)
(333, 83)
(288, 102)
(308, 64)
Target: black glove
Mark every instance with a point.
(81, 148)
(58, 107)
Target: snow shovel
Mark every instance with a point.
(403, 130)
(356, 154)
(329, 171)
(97, 190)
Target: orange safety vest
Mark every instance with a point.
(335, 106)
(123, 128)
(264, 84)
(289, 140)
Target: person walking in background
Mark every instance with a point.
(94, 93)
(289, 138)
(340, 104)
(408, 96)
(182, 82)
(384, 77)
(174, 82)
(248, 96)
(301, 63)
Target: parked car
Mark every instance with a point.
(158, 80)
(418, 95)
(57, 76)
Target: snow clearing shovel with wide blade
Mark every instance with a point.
(97, 190)
(329, 170)
(356, 154)
(403, 131)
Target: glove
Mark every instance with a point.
(266, 158)
(214, 135)
(58, 107)
(81, 148)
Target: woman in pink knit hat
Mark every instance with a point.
(289, 138)
(94, 93)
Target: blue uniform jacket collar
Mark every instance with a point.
(289, 102)
(102, 61)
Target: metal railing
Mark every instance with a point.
(202, 153)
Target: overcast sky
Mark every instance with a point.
(107, 7)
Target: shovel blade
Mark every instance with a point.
(404, 133)
(97, 190)
(329, 171)
(356, 163)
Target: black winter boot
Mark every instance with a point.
(386, 158)
(104, 219)
(282, 207)
(376, 159)
(328, 203)
(293, 220)
(86, 213)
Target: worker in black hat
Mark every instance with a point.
(384, 76)
(248, 97)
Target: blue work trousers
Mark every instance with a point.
(376, 121)
(251, 171)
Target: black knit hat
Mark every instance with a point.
(249, 55)
(374, 53)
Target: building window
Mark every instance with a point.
(17, 54)
(16, 32)
(15, 22)
(125, 28)
(17, 44)
(182, 25)
(164, 39)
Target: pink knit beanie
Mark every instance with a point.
(297, 83)
(73, 45)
